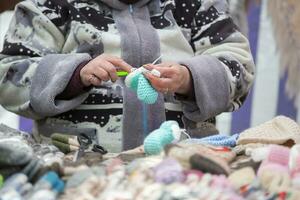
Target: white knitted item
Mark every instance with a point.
(276, 131)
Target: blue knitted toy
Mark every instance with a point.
(169, 132)
(138, 83)
(216, 140)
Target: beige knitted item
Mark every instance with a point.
(242, 177)
(279, 130)
(242, 148)
(183, 153)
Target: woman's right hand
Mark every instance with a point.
(103, 68)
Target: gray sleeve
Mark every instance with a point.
(222, 67)
(211, 88)
(50, 79)
(33, 70)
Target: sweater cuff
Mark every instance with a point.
(75, 86)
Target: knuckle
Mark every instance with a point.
(111, 70)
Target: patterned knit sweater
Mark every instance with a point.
(49, 39)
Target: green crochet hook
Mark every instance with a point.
(122, 73)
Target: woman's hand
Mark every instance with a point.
(102, 68)
(174, 78)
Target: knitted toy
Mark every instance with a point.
(169, 132)
(216, 140)
(138, 83)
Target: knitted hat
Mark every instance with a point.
(276, 131)
(242, 177)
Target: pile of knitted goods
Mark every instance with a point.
(191, 171)
(147, 178)
(23, 161)
(20, 153)
(260, 163)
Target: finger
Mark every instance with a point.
(110, 69)
(165, 72)
(160, 84)
(101, 74)
(94, 80)
(166, 64)
(118, 62)
(149, 66)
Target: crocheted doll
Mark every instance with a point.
(138, 83)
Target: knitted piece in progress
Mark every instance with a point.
(276, 131)
(139, 84)
(159, 138)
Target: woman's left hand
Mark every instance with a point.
(173, 78)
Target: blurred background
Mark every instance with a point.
(268, 97)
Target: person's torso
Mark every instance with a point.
(89, 27)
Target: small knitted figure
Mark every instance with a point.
(138, 83)
(216, 140)
(168, 133)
